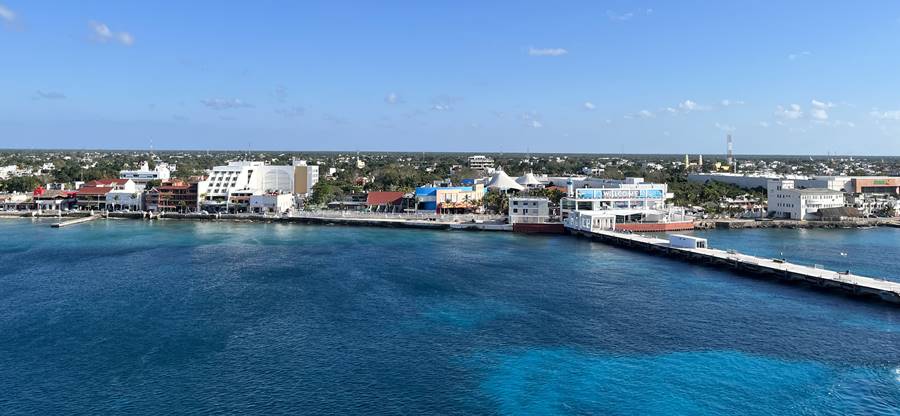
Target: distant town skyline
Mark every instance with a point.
(581, 77)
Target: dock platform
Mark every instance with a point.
(74, 221)
(816, 276)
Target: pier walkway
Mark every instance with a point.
(814, 275)
(74, 221)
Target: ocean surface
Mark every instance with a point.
(131, 317)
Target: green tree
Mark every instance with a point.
(20, 184)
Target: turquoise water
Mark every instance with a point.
(129, 317)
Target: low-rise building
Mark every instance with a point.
(53, 199)
(531, 210)
(174, 196)
(271, 203)
(449, 199)
(480, 162)
(143, 175)
(788, 202)
(93, 195)
(636, 205)
(591, 221)
(16, 201)
(385, 201)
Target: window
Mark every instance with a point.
(515, 210)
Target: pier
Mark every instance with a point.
(74, 221)
(815, 276)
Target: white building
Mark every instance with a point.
(306, 177)
(8, 171)
(161, 172)
(480, 162)
(271, 203)
(786, 201)
(529, 210)
(591, 221)
(119, 199)
(632, 194)
(258, 178)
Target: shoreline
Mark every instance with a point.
(374, 221)
(249, 218)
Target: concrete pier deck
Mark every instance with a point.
(847, 283)
(74, 221)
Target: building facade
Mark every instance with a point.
(529, 210)
(143, 175)
(632, 194)
(174, 196)
(480, 162)
(240, 179)
(271, 203)
(788, 202)
(93, 195)
(440, 198)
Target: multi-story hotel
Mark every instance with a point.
(238, 180)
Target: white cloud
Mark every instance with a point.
(820, 104)
(764, 124)
(531, 119)
(798, 55)
(49, 95)
(280, 93)
(547, 51)
(126, 38)
(725, 127)
(728, 103)
(792, 112)
(392, 98)
(102, 33)
(291, 112)
(589, 106)
(892, 115)
(687, 105)
(225, 103)
(818, 113)
(644, 114)
(444, 103)
(621, 17)
(819, 110)
(7, 15)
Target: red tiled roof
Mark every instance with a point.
(107, 182)
(383, 198)
(94, 190)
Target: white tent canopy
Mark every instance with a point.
(528, 180)
(500, 180)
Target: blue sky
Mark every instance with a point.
(800, 77)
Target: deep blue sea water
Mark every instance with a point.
(130, 317)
